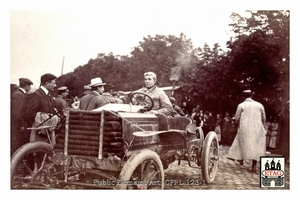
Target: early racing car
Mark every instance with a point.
(114, 147)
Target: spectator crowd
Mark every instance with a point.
(94, 96)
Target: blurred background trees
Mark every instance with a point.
(257, 56)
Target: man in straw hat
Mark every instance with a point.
(250, 140)
(96, 99)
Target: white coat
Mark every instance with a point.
(250, 141)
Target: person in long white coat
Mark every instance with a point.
(250, 141)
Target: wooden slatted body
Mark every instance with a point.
(91, 133)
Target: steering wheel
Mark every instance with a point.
(142, 99)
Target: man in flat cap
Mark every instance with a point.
(96, 98)
(17, 123)
(59, 102)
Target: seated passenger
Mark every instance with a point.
(162, 104)
(176, 109)
(96, 99)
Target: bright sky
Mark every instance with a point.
(42, 35)
(40, 39)
(36, 40)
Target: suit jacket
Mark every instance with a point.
(34, 103)
(94, 100)
(91, 101)
(60, 104)
(17, 101)
(17, 136)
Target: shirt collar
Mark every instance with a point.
(23, 90)
(96, 92)
(44, 89)
(150, 89)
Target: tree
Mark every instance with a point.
(170, 57)
(208, 78)
(260, 56)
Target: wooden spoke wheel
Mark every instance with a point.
(210, 157)
(143, 170)
(30, 166)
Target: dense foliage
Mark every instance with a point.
(257, 57)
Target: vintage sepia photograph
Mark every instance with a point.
(149, 95)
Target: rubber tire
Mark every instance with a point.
(25, 150)
(134, 161)
(211, 136)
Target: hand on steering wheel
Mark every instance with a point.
(142, 99)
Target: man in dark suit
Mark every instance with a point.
(208, 123)
(59, 102)
(40, 101)
(17, 123)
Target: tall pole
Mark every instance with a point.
(62, 67)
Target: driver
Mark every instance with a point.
(162, 104)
